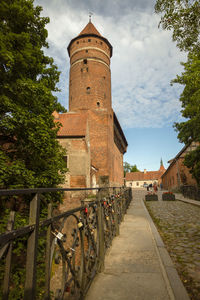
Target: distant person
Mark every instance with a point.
(161, 186)
(147, 188)
(155, 188)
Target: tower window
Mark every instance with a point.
(77, 42)
(89, 40)
(85, 61)
(86, 51)
(101, 43)
(88, 90)
(98, 104)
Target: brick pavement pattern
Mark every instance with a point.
(179, 225)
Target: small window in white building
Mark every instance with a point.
(137, 183)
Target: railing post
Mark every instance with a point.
(82, 268)
(48, 257)
(6, 281)
(121, 197)
(31, 259)
(124, 203)
(115, 214)
(101, 233)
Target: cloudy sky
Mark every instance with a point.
(144, 62)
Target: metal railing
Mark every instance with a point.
(190, 191)
(76, 240)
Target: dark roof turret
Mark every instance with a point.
(90, 31)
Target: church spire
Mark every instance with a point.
(162, 168)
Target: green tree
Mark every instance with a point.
(190, 129)
(30, 156)
(183, 18)
(129, 168)
(134, 169)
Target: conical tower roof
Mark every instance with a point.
(90, 31)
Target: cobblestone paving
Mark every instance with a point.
(179, 227)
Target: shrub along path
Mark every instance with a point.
(179, 226)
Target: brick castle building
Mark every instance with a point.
(90, 131)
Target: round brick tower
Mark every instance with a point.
(90, 78)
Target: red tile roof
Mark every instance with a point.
(162, 168)
(141, 176)
(73, 124)
(90, 29)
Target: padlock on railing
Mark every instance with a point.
(80, 225)
(59, 236)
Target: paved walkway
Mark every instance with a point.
(187, 200)
(137, 266)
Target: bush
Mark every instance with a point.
(168, 196)
(151, 197)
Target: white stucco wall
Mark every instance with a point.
(139, 184)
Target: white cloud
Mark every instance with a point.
(144, 58)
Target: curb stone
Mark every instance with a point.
(174, 284)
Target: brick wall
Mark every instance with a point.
(78, 162)
(177, 174)
(90, 94)
(118, 170)
(90, 79)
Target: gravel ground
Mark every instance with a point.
(179, 226)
